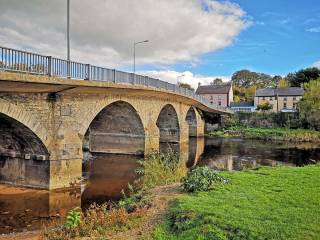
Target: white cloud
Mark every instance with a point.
(316, 64)
(313, 30)
(184, 77)
(103, 31)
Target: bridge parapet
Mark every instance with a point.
(13, 60)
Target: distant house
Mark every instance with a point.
(221, 95)
(281, 99)
(243, 106)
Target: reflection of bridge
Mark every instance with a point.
(50, 125)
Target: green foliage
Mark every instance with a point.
(201, 179)
(246, 78)
(185, 85)
(297, 79)
(217, 81)
(276, 134)
(264, 106)
(269, 203)
(73, 218)
(159, 169)
(309, 105)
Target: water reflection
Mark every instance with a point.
(238, 154)
(109, 174)
(28, 209)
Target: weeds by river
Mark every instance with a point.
(274, 134)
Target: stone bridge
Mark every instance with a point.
(50, 126)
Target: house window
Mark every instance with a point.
(294, 106)
(284, 105)
(211, 102)
(211, 97)
(270, 98)
(263, 98)
(294, 98)
(219, 103)
(285, 99)
(219, 97)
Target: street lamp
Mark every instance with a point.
(68, 37)
(134, 54)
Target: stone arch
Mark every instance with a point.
(15, 112)
(169, 127)
(23, 155)
(191, 119)
(113, 143)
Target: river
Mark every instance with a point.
(23, 209)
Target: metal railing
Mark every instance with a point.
(28, 62)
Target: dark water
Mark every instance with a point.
(27, 209)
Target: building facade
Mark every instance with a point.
(221, 95)
(281, 99)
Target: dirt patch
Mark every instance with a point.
(160, 196)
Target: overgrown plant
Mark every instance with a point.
(159, 169)
(201, 179)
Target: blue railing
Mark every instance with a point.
(28, 62)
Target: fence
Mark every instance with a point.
(28, 62)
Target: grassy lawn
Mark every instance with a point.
(279, 134)
(269, 203)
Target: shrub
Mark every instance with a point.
(73, 218)
(201, 179)
(159, 169)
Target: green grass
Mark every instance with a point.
(277, 134)
(269, 203)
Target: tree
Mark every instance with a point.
(185, 85)
(283, 83)
(217, 81)
(297, 79)
(264, 107)
(250, 92)
(246, 78)
(309, 106)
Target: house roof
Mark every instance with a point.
(241, 104)
(289, 91)
(214, 89)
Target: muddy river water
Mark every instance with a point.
(23, 209)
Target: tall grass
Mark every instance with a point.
(276, 134)
(159, 169)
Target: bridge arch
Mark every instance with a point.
(113, 143)
(17, 113)
(191, 119)
(169, 127)
(23, 155)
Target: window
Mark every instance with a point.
(211, 102)
(284, 98)
(219, 103)
(270, 98)
(284, 105)
(294, 106)
(219, 97)
(263, 98)
(211, 97)
(294, 98)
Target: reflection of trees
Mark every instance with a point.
(36, 68)
(21, 67)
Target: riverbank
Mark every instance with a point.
(273, 134)
(269, 203)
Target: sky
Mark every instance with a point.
(189, 40)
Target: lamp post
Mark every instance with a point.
(68, 37)
(134, 54)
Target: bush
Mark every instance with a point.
(159, 169)
(201, 179)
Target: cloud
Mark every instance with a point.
(316, 64)
(184, 77)
(103, 31)
(313, 30)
